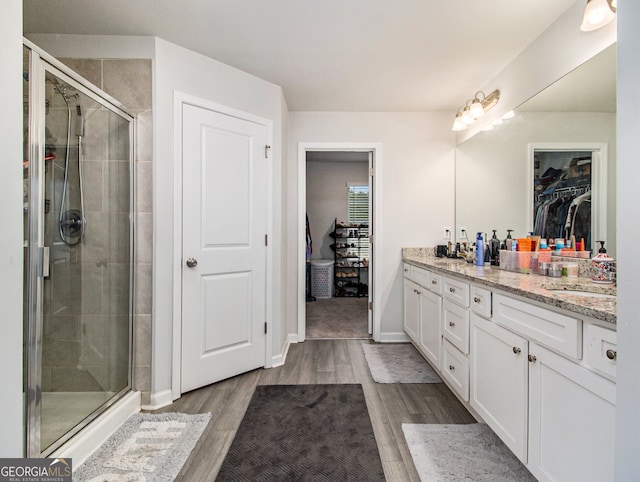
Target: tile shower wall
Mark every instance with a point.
(130, 82)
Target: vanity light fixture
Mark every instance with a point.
(474, 109)
(597, 14)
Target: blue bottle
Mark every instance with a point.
(479, 260)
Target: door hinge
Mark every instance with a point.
(371, 171)
(370, 305)
(266, 240)
(266, 151)
(265, 327)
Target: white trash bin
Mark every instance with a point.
(322, 278)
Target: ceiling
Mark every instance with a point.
(330, 55)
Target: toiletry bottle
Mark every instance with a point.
(479, 259)
(494, 244)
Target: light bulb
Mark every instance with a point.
(597, 14)
(476, 108)
(458, 124)
(509, 115)
(467, 117)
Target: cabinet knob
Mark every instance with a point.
(451, 323)
(406, 270)
(452, 290)
(611, 354)
(477, 299)
(532, 358)
(517, 350)
(434, 282)
(418, 292)
(451, 367)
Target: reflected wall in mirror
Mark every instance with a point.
(494, 169)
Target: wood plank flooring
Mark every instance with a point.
(316, 362)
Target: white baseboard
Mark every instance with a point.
(394, 337)
(278, 360)
(159, 400)
(97, 432)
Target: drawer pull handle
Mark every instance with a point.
(434, 282)
(451, 323)
(477, 299)
(532, 358)
(451, 367)
(611, 354)
(452, 290)
(517, 350)
(418, 292)
(406, 270)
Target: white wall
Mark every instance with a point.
(12, 440)
(327, 198)
(416, 194)
(628, 386)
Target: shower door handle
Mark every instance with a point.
(44, 257)
(192, 263)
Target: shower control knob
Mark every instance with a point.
(192, 263)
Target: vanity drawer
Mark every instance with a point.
(435, 283)
(455, 290)
(600, 350)
(481, 301)
(420, 276)
(557, 331)
(455, 369)
(456, 325)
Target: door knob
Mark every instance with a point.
(192, 263)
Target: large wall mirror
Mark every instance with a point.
(572, 123)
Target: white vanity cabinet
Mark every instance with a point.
(499, 382)
(571, 420)
(455, 332)
(422, 312)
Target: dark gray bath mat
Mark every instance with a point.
(469, 452)
(304, 432)
(398, 363)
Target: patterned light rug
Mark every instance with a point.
(462, 452)
(149, 447)
(398, 363)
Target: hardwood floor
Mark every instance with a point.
(316, 362)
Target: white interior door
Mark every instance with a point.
(224, 223)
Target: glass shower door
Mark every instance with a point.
(82, 335)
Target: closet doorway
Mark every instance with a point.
(336, 191)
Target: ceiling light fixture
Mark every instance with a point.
(597, 14)
(474, 109)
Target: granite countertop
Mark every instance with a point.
(600, 304)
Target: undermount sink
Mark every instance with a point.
(583, 293)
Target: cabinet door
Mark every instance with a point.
(411, 309)
(499, 382)
(572, 420)
(430, 334)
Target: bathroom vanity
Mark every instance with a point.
(533, 357)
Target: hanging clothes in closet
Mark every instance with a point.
(563, 205)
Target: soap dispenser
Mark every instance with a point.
(603, 268)
(479, 258)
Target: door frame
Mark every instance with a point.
(180, 98)
(374, 206)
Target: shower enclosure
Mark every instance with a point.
(78, 251)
